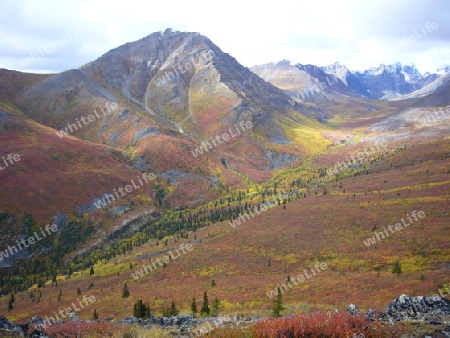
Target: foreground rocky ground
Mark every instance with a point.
(428, 316)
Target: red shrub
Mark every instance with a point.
(322, 325)
(80, 329)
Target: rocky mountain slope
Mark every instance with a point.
(172, 105)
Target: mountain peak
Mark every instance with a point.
(338, 70)
(284, 62)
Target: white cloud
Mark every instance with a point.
(358, 34)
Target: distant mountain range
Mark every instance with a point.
(384, 82)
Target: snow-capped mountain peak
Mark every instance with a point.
(338, 70)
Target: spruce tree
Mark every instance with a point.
(215, 307)
(194, 307)
(125, 292)
(397, 268)
(205, 307)
(278, 304)
(173, 310)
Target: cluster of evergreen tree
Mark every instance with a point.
(49, 251)
(140, 310)
(47, 264)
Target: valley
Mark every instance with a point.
(223, 180)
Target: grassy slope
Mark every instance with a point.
(56, 175)
(319, 228)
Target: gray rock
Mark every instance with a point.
(149, 131)
(132, 320)
(140, 164)
(9, 329)
(5, 323)
(417, 308)
(353, 309)
(277, 161)
(114, 139)
(73, 317)
(174, 176)
(372, 315)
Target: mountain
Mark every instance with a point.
(188, 91)
(303, 82)
(349, 79)
(174, 95)
(440, 84)
(335, 80)
(389, 81)
(308, 87)
(332, 94)
(171, 105)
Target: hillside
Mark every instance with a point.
(249, 260)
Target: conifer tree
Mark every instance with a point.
(173, 310)
(215, 306)
(205, 307)
(278, 306)
(125, 291)
(194, 307)
(140, 310)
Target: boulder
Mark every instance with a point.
(424, 308)
(353, 310)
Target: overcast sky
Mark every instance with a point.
(359, 34)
